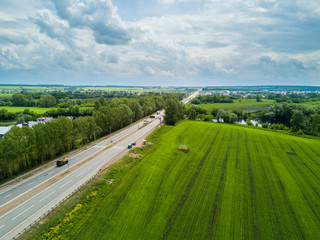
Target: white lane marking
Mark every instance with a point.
(22, 212)
(46, 196)
(79, 174)
(30, 183)
(2, 226)
(8, 195)
(91, 167)
(65, 183)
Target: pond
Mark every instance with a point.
(242, 122)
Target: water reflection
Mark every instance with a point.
(243, 122)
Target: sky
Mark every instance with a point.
(160, 42)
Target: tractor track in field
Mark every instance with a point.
(96, 207)
(182, 171)
(219, 194)
(302, 189)
(238, 150)
(275, 215)
(283, 193)
(256, 231)
(305, 152)
(120, 199)
(186, 194)
(155, 200)
(296, 155)
(318, 155)
(114, 210)
(205, 186)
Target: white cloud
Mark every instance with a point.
(227, 39)
(98, 15)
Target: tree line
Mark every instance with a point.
(293, 117)
(283, 116)
(212, 99)
(54, 99)
(25, 148)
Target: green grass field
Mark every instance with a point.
(5, 95)
(235, 183)
(311, 103)
(243, 104)
(21, 109)
(134, 89)
(16, 87)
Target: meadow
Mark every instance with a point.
(311, 103)
(21, 109)
(5, 95)
(234, 183)
(30, 87)
(245, 104)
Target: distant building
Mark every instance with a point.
(31, 123)
(4, 130)
(44, 119)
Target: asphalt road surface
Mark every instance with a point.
(29, 184)
(11, 223)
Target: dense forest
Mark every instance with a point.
(25, 148)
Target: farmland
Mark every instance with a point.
(311, 103)
(244, 103)
(21, 109)
(235, 183)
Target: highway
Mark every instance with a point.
(17, 219)
(20, 217)
(31, 183)
(192, 96)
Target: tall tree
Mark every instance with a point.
(47, 101)
(192, 114)
(19, 100)
(298, 120)
(174, 111)
(220, 115)
(315, 123)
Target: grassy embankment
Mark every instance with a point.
(235, 183)
(245, 104)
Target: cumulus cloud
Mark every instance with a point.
(186, 39)
(98, 15)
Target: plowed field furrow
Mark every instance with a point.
(256, 231)
(300, 184)
(269, 200)
(186, 194)
(219, 194)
